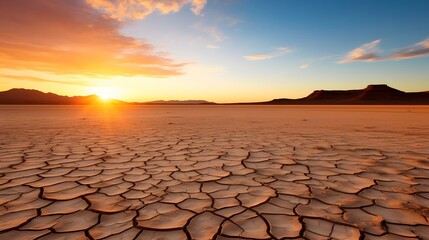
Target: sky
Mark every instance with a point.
(215, 50)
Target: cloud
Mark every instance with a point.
(370, 53)
(225, 19)
(420, 49)
(198, 6)
(213, 31)
(313, 61)
(367, 52)
(42, 80)
(424, 44)
(139, 9)
(262, 56)
(212, 46)
(70, 37)
(257, 57)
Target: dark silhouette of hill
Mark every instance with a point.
(372, 94)
(379, 94)
(27, 96)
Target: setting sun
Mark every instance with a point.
(106, 93)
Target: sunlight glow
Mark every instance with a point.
(106, 93)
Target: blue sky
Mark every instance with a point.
(237, 50)
(320, 33)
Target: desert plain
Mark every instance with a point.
(214, 172)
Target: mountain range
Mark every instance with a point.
(376, 94)
(30, 96)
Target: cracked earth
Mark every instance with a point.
(214, 172)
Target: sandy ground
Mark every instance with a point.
(222, 172)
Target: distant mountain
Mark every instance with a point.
(27, 96)
(372, 94)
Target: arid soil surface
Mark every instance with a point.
(214, 172)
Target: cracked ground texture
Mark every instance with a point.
(214, 172)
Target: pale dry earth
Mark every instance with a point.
(214, 172)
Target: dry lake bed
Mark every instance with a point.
(214, 172)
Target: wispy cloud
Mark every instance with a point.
(212, 46)
(70, 37)
(367, 53)
(138, 9)
(198, 6)
(213, 32)
(313, 61)
(420, 49)
(228, 20)
(370, 53)
(263, 56)
(233, 21)
(42, 80)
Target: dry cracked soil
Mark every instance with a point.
(214, 172)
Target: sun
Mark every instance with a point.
(106, 93)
